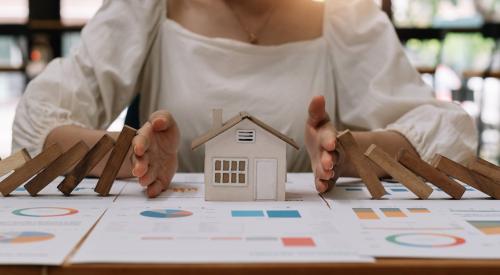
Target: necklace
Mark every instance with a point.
(253, 36)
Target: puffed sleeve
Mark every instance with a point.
(99, 78)
(377, 88)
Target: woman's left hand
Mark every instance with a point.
(321, 144)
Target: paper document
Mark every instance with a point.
(217, 232)
(43, 233)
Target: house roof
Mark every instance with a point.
(235, 120)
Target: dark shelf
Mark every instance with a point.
(487, 30)
(7, 69)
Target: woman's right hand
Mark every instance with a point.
(154, 156)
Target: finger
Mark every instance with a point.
(327, 160)
(141, 141)
(150, 177)
(155, 189)
(317, 113)
(323, 174)
(161, 120)
(328, 137)
(322, 185)
(140, 165)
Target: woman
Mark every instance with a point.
(267, 57)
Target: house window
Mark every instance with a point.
(230, 171)
(245, 136)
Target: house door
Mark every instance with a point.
(266, 178)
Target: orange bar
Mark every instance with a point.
(393, 212)
(365, 214)
(419, 210)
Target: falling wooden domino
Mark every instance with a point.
(83, 168)
(429, 173)
(57, 168)
(399, 172)
(362, 165)
(467, 176)
(29, 169)
(485, 168)
(13, 162)
(115, 161)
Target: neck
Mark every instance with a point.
(255, 7)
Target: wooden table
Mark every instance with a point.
(383, 266)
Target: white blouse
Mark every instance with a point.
(130, 47)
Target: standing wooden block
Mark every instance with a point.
(399, 172)
(362, 165)
(31, 168)
(83, 168)
(461, 173)
(485, 168)
(429, 173)
(13, 162)
(115, 161)
(57, 168)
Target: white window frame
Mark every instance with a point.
(237, 171)
(241, 132)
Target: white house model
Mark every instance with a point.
(245, 159)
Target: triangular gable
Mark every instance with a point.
(235, 120)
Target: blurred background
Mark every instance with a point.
(453, 43)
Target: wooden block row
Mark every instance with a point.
(83, 168)
(429, 173)
(485, 168)
(115, 161)
(29, 169)
(52, 162)
(362, 165)
(13, 162)
(57, 168)
(467, 176)
(398, 172)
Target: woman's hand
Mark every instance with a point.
(321, 144)
(154, 156)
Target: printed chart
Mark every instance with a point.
(218, 232)
(421, 229)
(43, 232)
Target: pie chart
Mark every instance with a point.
(40, 212)
(425, 240)
(166, 213)
(24, 237)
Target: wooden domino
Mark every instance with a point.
(485, 168)
(429, 173)
(467, 176)
(57, 168)
(30, 168)
(399, 172)
(362, 165)
(83, 168)
(115, 161)
(13, 162)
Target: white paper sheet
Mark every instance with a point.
(299, 187)
(422, 229)
(83, 192)
(216, 232)
(43, 232)
(353, 188)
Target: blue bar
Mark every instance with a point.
(247, 213)
(283, 214)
